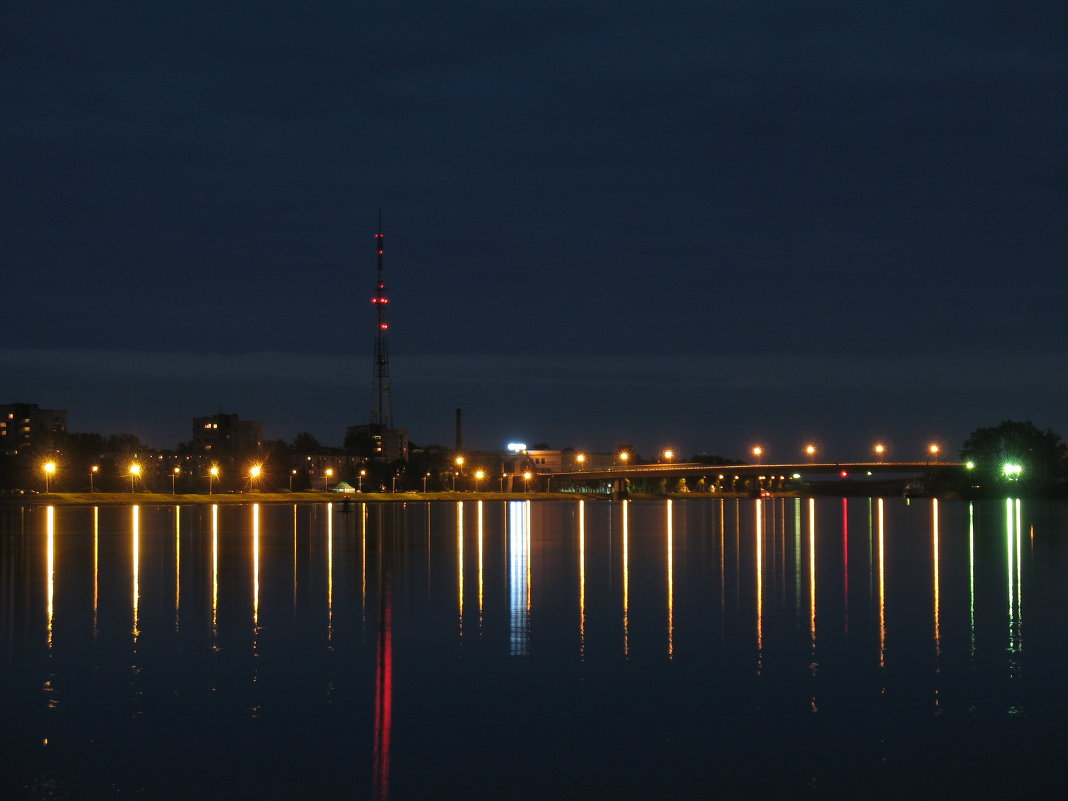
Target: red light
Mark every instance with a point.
(843, 474)
(380, 251)
(384, 326)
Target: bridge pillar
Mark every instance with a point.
(619, 489)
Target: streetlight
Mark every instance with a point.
(624, 456)
(174, 475)
(758, 452)
(424, 482)
(92, 472)
(213, 473)
(880, 450)
(810, 451)
(479, 475)
(254, 474)
(934, 449)
(1011, 471)
(359, 480)
(135, 471)
(328, 474)
(49, 468)
(580, 458)
(291, 474)
(393, 488)
(526, 481)
(669, 455)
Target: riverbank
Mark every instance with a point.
(162, 498)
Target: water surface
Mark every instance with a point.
(776, 648)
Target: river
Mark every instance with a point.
(772, 648)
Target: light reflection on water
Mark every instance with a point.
(643, 648)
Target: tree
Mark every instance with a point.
(997, 452)
(305, 443)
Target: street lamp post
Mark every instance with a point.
(668, 455)
(359, 480)
(49, 469)
(174, 475)
(393, 488)
(92, 473)
(424, 482)
(213, 473)
(327, 475)
(757, 452)
(880, 450)
(254, 475)
(291, 474)
(479, 475)
(810, 452)
(526, 481)
(135, 471)
(934, 449)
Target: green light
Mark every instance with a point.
(969, 465)
(1011, 471)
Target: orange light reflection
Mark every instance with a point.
(50, 554)
(136, 548)
(670, 583)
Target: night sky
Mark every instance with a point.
(698, 224)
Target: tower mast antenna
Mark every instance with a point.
(381, 404)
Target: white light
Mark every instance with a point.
(517, 447)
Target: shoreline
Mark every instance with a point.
(233, 498)
(237, 498)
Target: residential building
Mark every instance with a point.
(26, 425)
(224, 433)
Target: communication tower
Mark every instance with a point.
(381, 404)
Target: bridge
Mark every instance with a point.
(747, 477)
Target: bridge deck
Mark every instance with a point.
(684, 469)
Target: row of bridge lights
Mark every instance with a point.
(879, 449)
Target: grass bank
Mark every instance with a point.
(166, 498)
